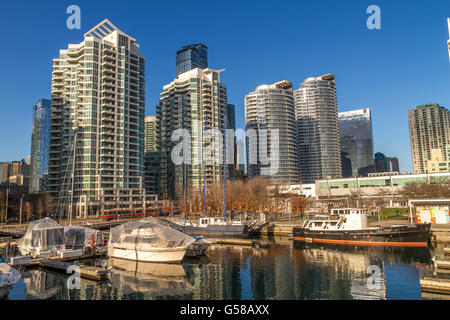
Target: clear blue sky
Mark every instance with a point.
(391, 70)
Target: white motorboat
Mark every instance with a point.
(8, 275)
(148, 240)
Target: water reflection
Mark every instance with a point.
(274, 270)
(151, 280)
(42, 285)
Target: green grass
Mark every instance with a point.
(401, 213)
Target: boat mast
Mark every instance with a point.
(224, 168)
(73, 174)
(185, 177)
(204, 165)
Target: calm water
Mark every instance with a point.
(275, 270)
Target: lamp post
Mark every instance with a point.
(20, 217)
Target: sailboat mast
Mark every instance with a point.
(73, 175)
(224, 167)
(185, 178)
(204, 165)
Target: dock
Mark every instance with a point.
(435, 285)
(86, 272)
(442, 264)
(231, 241)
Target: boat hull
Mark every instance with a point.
(408, 235)
(227, 230)
(164, 255)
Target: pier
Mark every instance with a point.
(435, 285)
(86, 272)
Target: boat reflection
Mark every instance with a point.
(43, 285)
(153, 280)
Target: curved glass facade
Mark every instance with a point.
(272, 107)
(319, 151)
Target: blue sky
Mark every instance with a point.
(391, 70)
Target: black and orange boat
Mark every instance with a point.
(350, 227)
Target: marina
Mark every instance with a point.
(150, 258)
(276, 269)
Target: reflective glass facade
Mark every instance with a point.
(40, 140)
(355, 130)
(191, 57)
(272, 107)
(319, 152)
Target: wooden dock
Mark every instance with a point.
(435, 285)
(442, 264)
(86, 272)
(231, 241)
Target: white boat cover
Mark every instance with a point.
(42, 235)
(148, 233)
(8, 275)
(77, 237)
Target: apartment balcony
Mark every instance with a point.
(109, 63)
(108, 76)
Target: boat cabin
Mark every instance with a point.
(216, 221)
(339, 219)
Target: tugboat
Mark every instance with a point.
(350, 227)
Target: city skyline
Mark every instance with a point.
(366, 75)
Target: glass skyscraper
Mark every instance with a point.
(319, 152)
(429, 128)
(195, 101)
(272, 107)
(40, 141)
(355, 130)
(191, 57)
(151, 156)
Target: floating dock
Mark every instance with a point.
(435, 285)
(87, 272)
(235, 242)
(442, 264)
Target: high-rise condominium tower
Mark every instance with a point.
(429, 128)
(151, 156)
(355, 129)
(40, 139)
(272, 107)
(319, 152)
(191, 57)
(98, 96)
(151, 137)
(196, 101)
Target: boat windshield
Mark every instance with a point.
(132, 239)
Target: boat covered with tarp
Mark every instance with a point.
(47, 238)
(8, 275)
(148, 240)
(44, 235)
(78, 237)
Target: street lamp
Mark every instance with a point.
(20, 219)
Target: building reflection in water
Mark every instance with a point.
(274, 270)
(286, 272)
